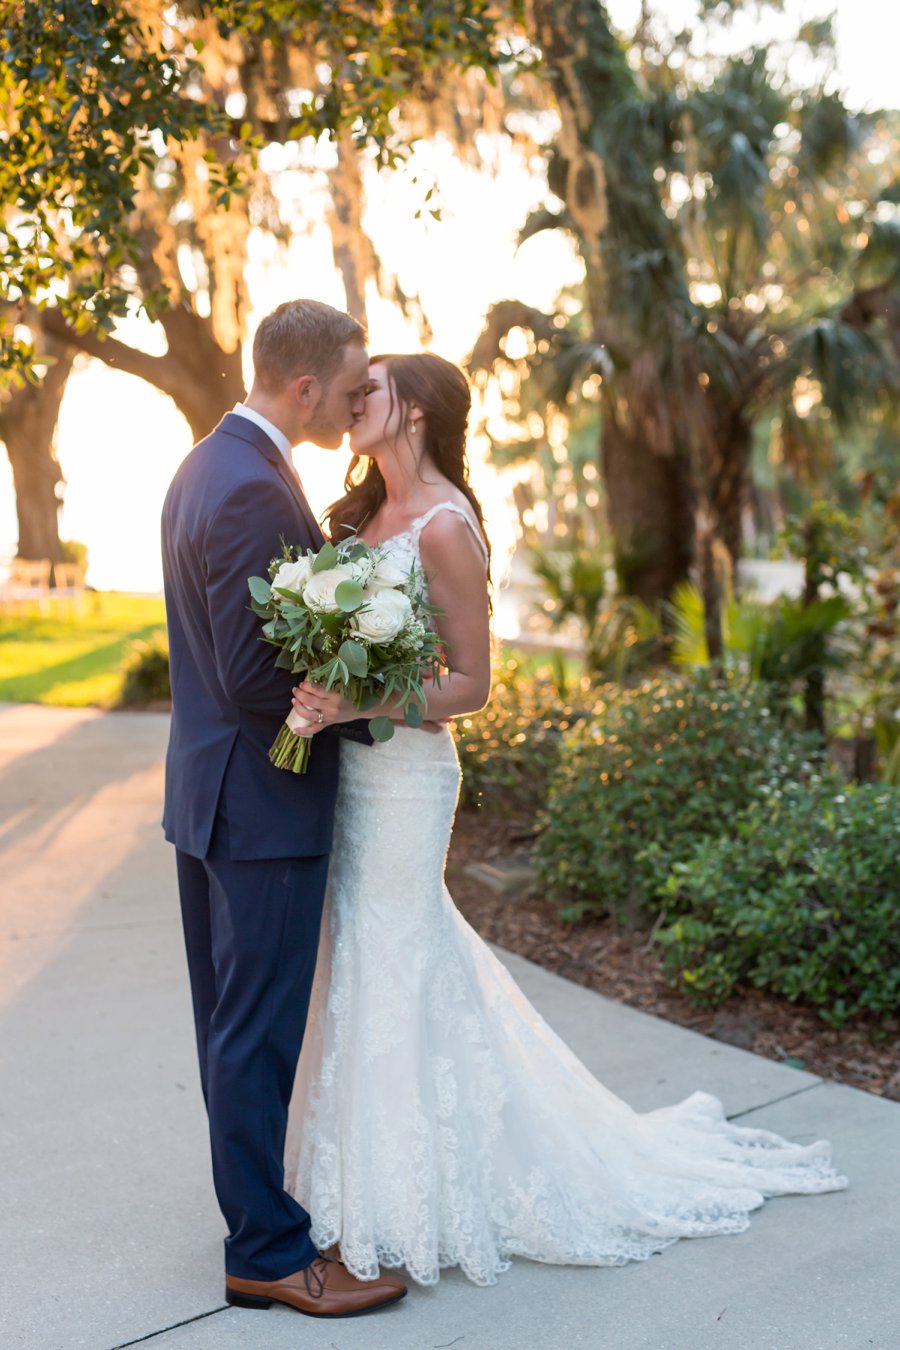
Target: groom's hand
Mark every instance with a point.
(319, 708)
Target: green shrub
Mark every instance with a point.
(510, 749)
(73, 551)
(655, 769)
(146, 672)
(801, 898)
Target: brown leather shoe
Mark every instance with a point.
(324, 1289)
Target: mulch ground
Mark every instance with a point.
(622, 965)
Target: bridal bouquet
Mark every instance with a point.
(350, 619)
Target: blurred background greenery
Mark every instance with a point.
(686, 420)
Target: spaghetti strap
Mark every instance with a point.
(419, 524)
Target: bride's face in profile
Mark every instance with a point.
(383, 424)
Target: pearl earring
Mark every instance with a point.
(412, 428)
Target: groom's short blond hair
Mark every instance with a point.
(302, 337)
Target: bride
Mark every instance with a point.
(437, 1120)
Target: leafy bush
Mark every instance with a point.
(146, 672)
(510, 749)
(799, 898)
(73, 551)
(653, 770)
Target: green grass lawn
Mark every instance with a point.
(70, 656)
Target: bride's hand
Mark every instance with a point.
(316, 708)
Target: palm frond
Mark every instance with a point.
(685, 613)
(847, 363)
(499, 320)
(544, 219)
(564, 369)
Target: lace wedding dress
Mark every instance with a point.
(437, 1119)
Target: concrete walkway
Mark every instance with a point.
(109, 1229)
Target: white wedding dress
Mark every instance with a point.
(437, 1119)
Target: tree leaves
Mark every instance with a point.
(83, 89)
(92, 91)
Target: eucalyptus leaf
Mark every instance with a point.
(413, 715)
(326, 559)
(353, 654)
(382, 728)
(289, 595)
(349, 595)
(260, 590)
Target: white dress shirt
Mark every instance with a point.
(274, 433)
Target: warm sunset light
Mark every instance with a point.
(435, 889)
(119, 441)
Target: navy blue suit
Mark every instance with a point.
(251, 841)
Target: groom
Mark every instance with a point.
(251, 840)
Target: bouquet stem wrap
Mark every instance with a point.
(290, 751)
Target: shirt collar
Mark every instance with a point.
(275, 434)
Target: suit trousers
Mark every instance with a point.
(251, 931)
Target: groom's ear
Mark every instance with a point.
(307, 391)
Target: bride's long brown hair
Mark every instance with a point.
(442, 391)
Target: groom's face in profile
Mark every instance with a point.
(341, 401)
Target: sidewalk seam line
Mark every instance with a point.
(810, 1087)
(141, 1340)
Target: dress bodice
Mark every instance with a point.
(404, 548)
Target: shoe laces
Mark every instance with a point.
(315, 1275)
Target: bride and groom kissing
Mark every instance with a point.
(379, 1091)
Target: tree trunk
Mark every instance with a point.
(729, 481)
(814, 685)
(203, 380)
(353, 253)
(649, 511)
(585, 68)
(28, 418)
(710, 585)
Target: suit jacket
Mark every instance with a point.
(231, 500)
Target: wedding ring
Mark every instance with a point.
(321, 717)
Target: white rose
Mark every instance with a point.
(319, 590)
(385, 614)
(387, 574)
(362, 569)
(293, 576)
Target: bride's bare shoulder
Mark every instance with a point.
(451, 540)
(444, 492)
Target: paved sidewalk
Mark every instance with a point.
(109, 1229)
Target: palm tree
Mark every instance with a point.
(739, 253)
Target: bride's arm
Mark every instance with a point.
(457, 585)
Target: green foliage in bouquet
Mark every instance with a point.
(652, 771)
(799, 897)
(348, 619)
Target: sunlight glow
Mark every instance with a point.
(120, 440)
